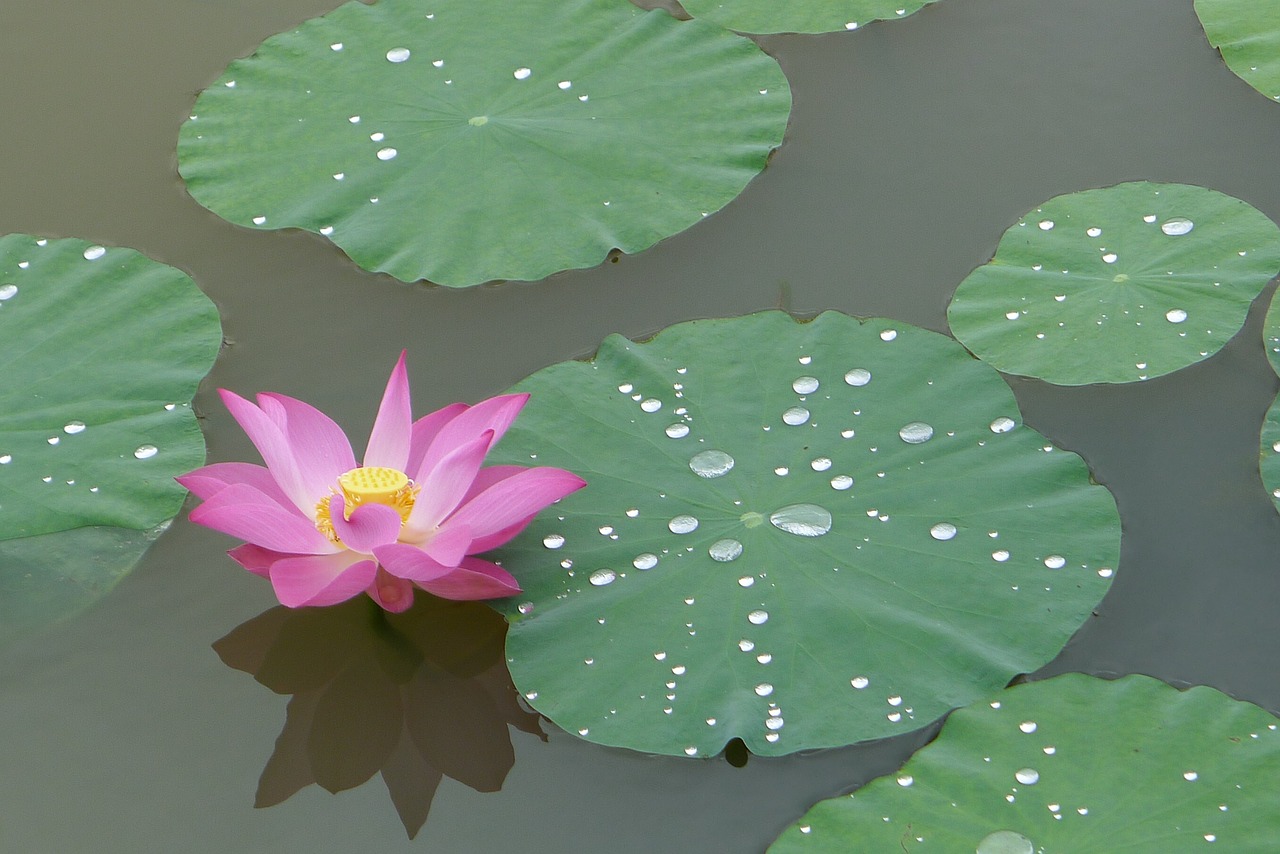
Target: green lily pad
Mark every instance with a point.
(800, 16)
(103, 349)
(1118, 284)
(467, 141)
(1247, 33)
(797, 534)
(1269, 463)
(1071, 764)
(1271, 334)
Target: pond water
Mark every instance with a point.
(913, 145)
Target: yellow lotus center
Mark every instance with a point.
(367, 485)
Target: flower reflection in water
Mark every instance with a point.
(369, 690)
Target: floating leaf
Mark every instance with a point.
(799, 534)
(1118, 284)
(103, 349)
(1248, 35)
(1071, 764)
(800, 16)
(486, 140)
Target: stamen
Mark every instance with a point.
(367, 485)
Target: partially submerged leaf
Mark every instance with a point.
(800, 16)
(479, 141)
(103, 350)
(1117, 284)
(1247, 33)
(797, 534)
(1071, 764)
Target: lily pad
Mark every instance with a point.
(103, 349)
(1247, 33)
(1117, 284)
(797, 534)
(464, 142)
(800, 16)
(1072, 764)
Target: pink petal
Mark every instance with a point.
(474, 579)
(269, 439)
(204, 482)
(494, 414)
(514, 499)
(488, 476)
(499, 538)
(444, 487)
(391, 593)
(320, 448)
(405, 561)
(256, 559)
(244, 512)
(389, 440)
(449, 545)
(425, 430)
(370, 525)
(321, 579)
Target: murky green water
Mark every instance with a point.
(912, 146)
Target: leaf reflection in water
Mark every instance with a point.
(369, 690)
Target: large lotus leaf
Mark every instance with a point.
(1271, 333)
(1072, 764)
(800, 16)
(1117, 284)
(1247, 32)
(798, 534)
(103, 349)
(1269, 458)
(464, 141)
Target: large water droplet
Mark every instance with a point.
(73, 427)
(651, 405)
(398, 54)
(1046, 224)
(795, 416)
(804, 520)
(888, 335)
(1027, 776)
(820, 463)
(805, 385)
(859, 682)
(1175, 315)
(1055, 561)
(1177, 226)
(387, 153)
(758, 618)
(841, 482)
(943, 531)
(521, 73)
(553, 541)
(916, 433)
(711, 463)
(601, 577)
(725, 550)
(764, 689)
(677, 431)
(146, 452)
(858, 377)
(8, 292)
(648, 560)
(683, 524)
(1003, 424)
(1093, 232)
(1028, 726)
(746, 645)
(905, 780)
(1005, 842)
(93, 253)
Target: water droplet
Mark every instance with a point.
(1190, 776)
(525, 607)
(764, 689)
(1046, 224)
(858, 377)
(1106, 572)
(1055, 561)
(1027, 776)
(711, 463)
(565, 84)
(746, 581)
(841, 482)
(1000, 556)
(601, 577)
(725, 550)
(386, 153)
(888, 335)
(1093, 232)
(93, 253)
(53, 440)
(683, 524)
(782, 471)
(804, 520)
(746, 645)
(553, 541)
(648, 560)
(805, 385)
(774, 724)
(859, 682)
(691, 751)
(8, 292)
(1177, 226)
(758, 618)
(146, 452)
(905, 780)
(1109, 258)
(1028, 726)
(1149, 218)
(916, 433)
(73, 427)
(1012, 315)
(795, 416)
(679, 670)
(1175, 315)
(943, 531)
(626, 388)
(336, 46)
(1003, 425)
(5, 459)
(677, 431)
(398, 54)
(820, 463)
(521, 73)
(651, 404)
(1005, 842)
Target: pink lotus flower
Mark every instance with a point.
(323, 527)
